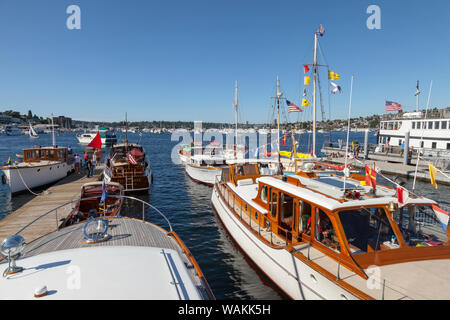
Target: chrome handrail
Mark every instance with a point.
(55, 210)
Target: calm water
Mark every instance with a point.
(187, 205)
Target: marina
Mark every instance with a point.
(176, 155)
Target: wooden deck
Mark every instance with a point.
(66, 190)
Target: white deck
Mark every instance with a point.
(102, 273)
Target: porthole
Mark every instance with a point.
(38, 170)
(313, 278)
(343, 297)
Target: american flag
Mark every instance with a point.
(131, 158)
(393, 106)
(292, 107)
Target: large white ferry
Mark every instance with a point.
(432, 133)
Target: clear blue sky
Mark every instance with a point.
(178, 60)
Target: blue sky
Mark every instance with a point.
(178, 60)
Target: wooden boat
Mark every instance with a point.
(323, 236)
(90, 205)
(40, 166)
(128, 165)
(74, 263)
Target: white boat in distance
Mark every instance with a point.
(32, 133)
(110, 258)
(108, 137)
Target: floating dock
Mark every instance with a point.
(397, 169)
(64, 191)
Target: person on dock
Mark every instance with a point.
(90, 168)
(77, 163)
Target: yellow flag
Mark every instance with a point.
(432, 175)
(305, 103)
(306, 82)
(333, 75)
(9, 160)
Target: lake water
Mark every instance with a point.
(188, 206)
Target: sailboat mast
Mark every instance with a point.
(314, 95)
(126, 131)
(278, 119)
(53, 132)
(236, 103)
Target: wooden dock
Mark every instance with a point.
(65, 190)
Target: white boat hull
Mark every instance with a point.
(289, 273)
(36, 176)
(205, 175)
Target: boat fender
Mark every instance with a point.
(4, 179)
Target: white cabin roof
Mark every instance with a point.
(330, 185)
(107, 273)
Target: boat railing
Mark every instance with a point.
(251, 216)
(62, 211)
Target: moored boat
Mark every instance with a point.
(128, 165)
(92, 204)
(323, 236)
(40, 166)
(75, 262)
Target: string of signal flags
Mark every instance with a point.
(332, 76)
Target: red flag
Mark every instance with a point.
(402, 196)
(371, 177)
(284, 140)
(305, 66)
(96, 143)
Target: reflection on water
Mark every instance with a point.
(188, 207)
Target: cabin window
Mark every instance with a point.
(413, 124)
(433, 145)
(250, 170)
(444, 125)
(226, 175)
(430, 124)
(418, 125)
(29, 154)
(263, 195)
(436, 124)
(419, 226)
(421, 144)
(304, 214)
(324, 231)
(239, 170)
(448, 146)
(286, 211)
(367, 230)
(51, 154)
(274, 204)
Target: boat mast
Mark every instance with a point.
(53, 132)
(279, 94)
(314, 95)
(126, 132)
(236, 103)
(417, 96)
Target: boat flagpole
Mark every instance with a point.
(279, 94)
(314, 95)
(126, 132)
(421, 139)
(53, 132)
(236, 104)
(348, 134)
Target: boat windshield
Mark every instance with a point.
(420, 227)
(368, 230)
